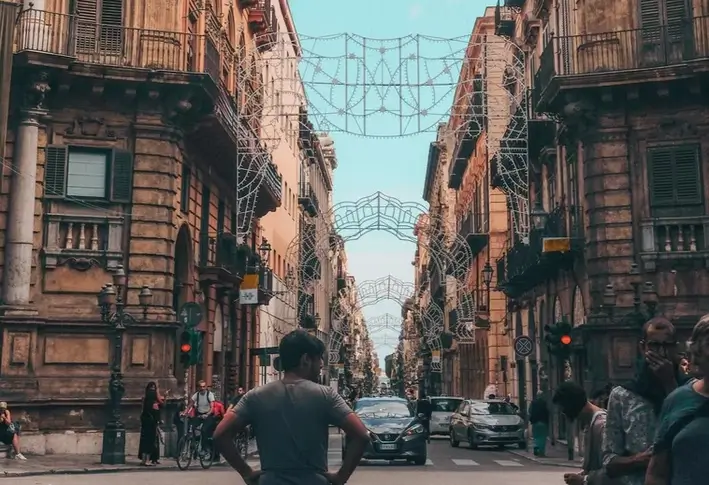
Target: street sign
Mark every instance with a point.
(436, 357)
(248, 290)
(523, 346)
(190, 314)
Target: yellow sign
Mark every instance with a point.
(435, 356)
(556, 245)
(250, 282)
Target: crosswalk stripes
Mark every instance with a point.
(334, 459)
(508, 463)
(465, 462)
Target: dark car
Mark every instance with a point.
(396, 433)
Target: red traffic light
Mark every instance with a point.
(185, 348)
(566, 339)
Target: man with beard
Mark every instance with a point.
(633, 408)
(572, 400)
(291, 419)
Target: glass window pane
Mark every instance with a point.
(86, 175)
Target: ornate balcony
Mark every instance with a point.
(247, 3)
(675, 240)
(222, 261)
(307, 199)
(504, 21)
(475, 229)
(527, 265)
(468, 137)
(625, 57)
(266, 39)
(259, 17)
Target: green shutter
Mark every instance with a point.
(662, 191)
(55, 165)
(87, 20)
(687, 179)
(650, 20)
(185, 188)
(111, 32)
(121, 176)
(676, 15)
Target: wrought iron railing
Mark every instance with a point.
(474, 223)
(624, 50)
(110, 45)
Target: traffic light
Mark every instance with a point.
(185, 347)
(190, 347)
(558, 338)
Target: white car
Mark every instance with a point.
(443, 408)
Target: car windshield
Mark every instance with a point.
(445, 405)
(382, 408)
(492, 408)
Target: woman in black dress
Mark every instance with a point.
(149, 448)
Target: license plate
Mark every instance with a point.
(387, 447)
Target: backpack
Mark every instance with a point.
(210, 399)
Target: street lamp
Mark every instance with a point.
(643, 294)
(487, 275)
(265, 250)
(112, 307)
(539, 216)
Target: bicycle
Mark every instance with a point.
(194, 445)
(242, 442)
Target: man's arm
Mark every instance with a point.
(658, 471)
(233, 423)
(618, 465)
(356, 434)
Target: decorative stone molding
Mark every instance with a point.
(82, 241)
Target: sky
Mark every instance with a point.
(411, 97)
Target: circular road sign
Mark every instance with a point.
(190, 314)
(523, 346)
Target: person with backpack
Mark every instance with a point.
(201, 408)
(682, 438)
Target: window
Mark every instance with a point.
(99, 20)
(83, 172)
(382, 408)
(445, 405)
(86, 174)
(492, 409)
(675, 176)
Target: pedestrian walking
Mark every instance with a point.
(574, 404)
(633, 408)
(291, 418)
(424, 410)
(539, 419)
(681, 447)
(149, 446)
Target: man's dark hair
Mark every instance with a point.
(297, 344)
(658, 323)
(599, 393)
(571, 397)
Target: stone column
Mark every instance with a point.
(19, 240)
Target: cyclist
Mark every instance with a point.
(201, 409)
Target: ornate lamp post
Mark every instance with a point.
(265, 250)
(112, 306)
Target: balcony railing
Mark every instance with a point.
(624, 50)
(111, 45)
(475, 229)
(221, 258)
(675, 235)
(308, 200)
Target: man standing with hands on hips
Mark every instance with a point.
(291, 419)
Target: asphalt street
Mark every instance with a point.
(446, 466)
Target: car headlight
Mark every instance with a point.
(480, 426)
(414, 430)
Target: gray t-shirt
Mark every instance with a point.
(203, 401)
(292, 430)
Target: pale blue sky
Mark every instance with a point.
(396, 165)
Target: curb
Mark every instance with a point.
(546, 461)
(107, 469)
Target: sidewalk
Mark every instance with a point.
(84, 464)
(556, 455)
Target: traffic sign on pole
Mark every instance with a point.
(523, 346)
(190, 314)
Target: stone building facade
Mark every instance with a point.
(121, 153)
(618, 149)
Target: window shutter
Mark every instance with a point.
(121, 176)
(687, 179)
(677, 15)
(87, 25)
(55, 165)
(650, 20)
(112, 25)
(661, 177)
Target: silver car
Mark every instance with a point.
(487, 423)
(443, 408)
